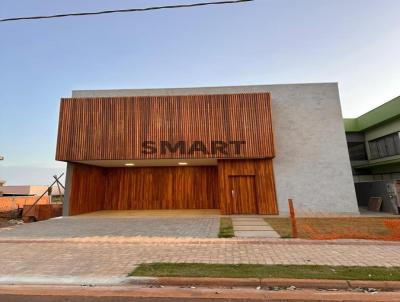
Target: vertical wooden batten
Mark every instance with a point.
(114, 128)
(88, 189)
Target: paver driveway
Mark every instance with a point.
(109, 260)
(103, 250)
(72, 227)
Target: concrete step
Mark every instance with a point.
(258, 234)
(253, 228)
(248, 227)
(247, 219)
(248, 223)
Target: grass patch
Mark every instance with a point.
(282, 226)
(375, 228)
(267, 271)
(225, 228)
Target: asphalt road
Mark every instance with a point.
(23, 293)
(108, 299)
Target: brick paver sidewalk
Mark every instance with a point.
(85, 259)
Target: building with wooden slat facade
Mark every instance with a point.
(241, 149)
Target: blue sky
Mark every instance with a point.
(353, 42)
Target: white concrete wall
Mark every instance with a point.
(312, 165)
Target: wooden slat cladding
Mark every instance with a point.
(95, 188)
(195, 187)
(115, 128)
(264, 182)
(161, 188)
(87, 189)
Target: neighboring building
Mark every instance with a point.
(240, 149)
(29, 190)
(374, 147)
(23, 190)
(14, 198)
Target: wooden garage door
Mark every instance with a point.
(147, 188)
(243, 194)
(96, 188)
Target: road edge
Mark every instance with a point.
(265, 282)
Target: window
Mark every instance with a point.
(388, 145)
(397, 142)
(381, 147)
(373, 149)
(357, 151)
(389, 142)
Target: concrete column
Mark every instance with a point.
(68, 187)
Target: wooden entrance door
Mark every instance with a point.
(243, 194)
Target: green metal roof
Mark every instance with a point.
(383, 113)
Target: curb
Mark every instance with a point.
(265, 282)
(120, 293)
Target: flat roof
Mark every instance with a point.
(189, 90)
(381, 114)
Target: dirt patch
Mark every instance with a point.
(4, 223)
(326, 228)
